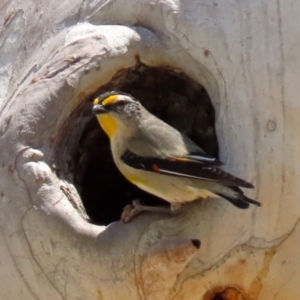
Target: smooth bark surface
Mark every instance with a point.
(54, 54)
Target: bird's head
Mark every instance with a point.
(117, 111)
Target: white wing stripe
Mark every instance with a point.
(185, 175)
(201, 157)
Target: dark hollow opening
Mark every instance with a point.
(227, 293)
(171, 96)
(218, 297)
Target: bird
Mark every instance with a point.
(160, 160)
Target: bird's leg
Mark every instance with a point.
(176, 207)
(131, 211)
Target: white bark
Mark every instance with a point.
(246, 54)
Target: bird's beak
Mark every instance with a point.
(99, 109)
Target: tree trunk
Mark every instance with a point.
(56, 55)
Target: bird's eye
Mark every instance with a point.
(121, 102)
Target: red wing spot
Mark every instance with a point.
(155, 168)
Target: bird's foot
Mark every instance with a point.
(130, 211)
(134, 209)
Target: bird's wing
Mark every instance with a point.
(189, 166)
(164, 141)
(195, 153)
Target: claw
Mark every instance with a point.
(130, 211)
(134, 209)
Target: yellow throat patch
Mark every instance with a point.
(107, 122)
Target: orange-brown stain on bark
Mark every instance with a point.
(257, 283)
(99, 295)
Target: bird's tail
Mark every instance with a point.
(237, 198)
